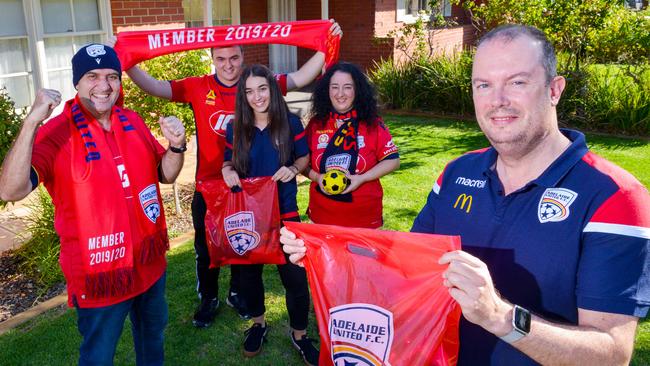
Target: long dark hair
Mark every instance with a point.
(244, 122)
(365, 98)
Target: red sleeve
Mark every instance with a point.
(282, 83)
(50, 138)
(182, 89)
(386, 148)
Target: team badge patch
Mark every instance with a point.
(554, 204)
(95, 50)
(323, 139)
(149, 202)
(240, 230)
(361, 335)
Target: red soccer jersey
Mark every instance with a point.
(375, 144)
(213, 104)
(51, 158)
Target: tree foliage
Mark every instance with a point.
(168, 67)
(10, 123)
(584, 30)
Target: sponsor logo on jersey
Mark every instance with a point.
(240, 230)
(219, 121)
(360, 334)
(464, 202)
(361, 141)
(210, 97)
(390, 144)
(121, 170)
(554, 204)
(474, 183)
(149, 202)
(95, 50)
(338, 161)
(323, 139)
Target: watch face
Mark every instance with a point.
(521, 319)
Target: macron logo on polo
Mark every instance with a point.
(475, 183)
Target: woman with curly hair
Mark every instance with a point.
(265, 139)
(346, 133)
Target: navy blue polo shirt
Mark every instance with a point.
(264, 161)
(575, 237)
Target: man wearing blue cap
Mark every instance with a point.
(101, 165)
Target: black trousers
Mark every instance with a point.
(207, 279)
(294, 280)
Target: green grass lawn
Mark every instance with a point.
(425, 147)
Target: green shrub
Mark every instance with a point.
(39, 254)
(607, 98)
(439, 84)
(10, 122)
(168, 67)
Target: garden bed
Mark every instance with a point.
(19, 292)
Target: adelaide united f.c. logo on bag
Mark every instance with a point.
(240, 231)
(360, 334)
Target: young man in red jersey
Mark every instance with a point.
(212, 98)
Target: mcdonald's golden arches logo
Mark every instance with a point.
(464, 200)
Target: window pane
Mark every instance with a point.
(193, 12)
(59, 50)
(15, 56)
(221, 12)
(20, 89)
(62, 81)
(86, 15)
(12, 18)
(57, 16)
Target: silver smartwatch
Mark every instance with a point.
(520, 325)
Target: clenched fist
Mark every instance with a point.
(173, 130)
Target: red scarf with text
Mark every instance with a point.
(117, 204)
(136, 46)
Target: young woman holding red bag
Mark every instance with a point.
(265, 139)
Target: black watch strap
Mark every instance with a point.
(178, 150)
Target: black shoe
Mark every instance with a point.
(205, 313)
(307, 350)
(255, 337)
(236, 301)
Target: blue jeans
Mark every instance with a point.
(101, 328)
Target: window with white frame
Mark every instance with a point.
(199, 13)
(38, 39)
(409, 10)
(15, 66)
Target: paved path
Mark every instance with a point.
(12, 217)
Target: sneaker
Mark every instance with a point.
(236, 301)
(206, 312)
(255, 337)
(307, 350)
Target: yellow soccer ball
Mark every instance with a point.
(335, 181)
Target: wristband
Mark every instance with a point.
(178, 150)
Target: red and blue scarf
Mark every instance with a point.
(116, 201)
(342, 150)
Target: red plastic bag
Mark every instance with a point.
(242, 227)
(379, 296)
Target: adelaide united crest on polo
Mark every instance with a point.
(240, 231)
(554, 204)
